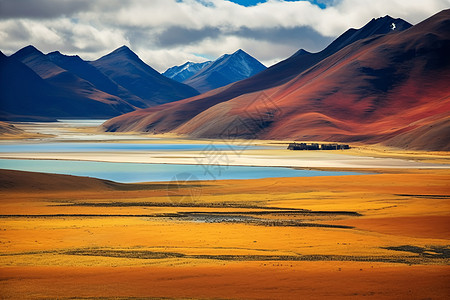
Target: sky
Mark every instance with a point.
(165, 33)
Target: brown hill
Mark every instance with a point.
(6, 128)
(21, 181)
(385, 88)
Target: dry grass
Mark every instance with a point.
(379, 236)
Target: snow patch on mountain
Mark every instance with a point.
(226, 69)
(183, 72)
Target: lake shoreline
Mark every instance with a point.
(255, 158)
(155, 172)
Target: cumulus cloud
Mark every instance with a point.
(169, 32)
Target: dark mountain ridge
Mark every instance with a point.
(125, 68)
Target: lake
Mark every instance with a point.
(113, 147)
(139, 172)
(68, 130)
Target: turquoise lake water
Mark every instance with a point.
(101, 147)
(138, 172)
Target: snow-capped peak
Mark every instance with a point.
(186, 70)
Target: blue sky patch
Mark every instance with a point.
(320, 3)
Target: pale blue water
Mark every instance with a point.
(81, 122)
(137, 172)
(101, 147)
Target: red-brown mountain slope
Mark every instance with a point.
(170, 116)
(385, 88)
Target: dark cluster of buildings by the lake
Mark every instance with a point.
(315, 146)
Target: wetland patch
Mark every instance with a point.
(159, 255)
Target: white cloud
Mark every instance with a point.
(169, 32)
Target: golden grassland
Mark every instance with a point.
(24, 136)
(383, 236)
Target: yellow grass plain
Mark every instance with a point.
(379, 236)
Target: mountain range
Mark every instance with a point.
(35, 86)
(210, 75)
(185, 71)
(125, 68)
(226, 69)
(54, 92)
(116, 83)
(385, 82)
(88, 72)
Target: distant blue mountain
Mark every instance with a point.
(226, 69)
(34, 88)
(183, 72)
(125, 68)
(86, 71)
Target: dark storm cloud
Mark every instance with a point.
(304, 37)
(176, 36)
(35, 9)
